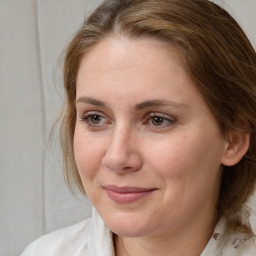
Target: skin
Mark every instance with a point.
(174, 146)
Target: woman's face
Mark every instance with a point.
(147, 148)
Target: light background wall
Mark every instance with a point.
(33, 196)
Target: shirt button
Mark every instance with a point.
(237, 242)
(217, 236)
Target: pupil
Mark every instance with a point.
(157, 120)
(96, 119)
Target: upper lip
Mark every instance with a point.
(127, 189)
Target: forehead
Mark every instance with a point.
(137, 68)
(124, 55)
(117, 46)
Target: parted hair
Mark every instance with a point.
(218, 57)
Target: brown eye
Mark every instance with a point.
(96, 119)
(157, 121)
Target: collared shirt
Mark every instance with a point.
(92, 238)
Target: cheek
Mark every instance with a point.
(88, 155)
(170, 155)
(189, 170)
(186, 156)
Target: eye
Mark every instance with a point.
(160, 120)
(157, 120)
(94, 119)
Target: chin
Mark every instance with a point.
(127, 226)
(128, 231)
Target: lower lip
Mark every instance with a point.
(127, 197)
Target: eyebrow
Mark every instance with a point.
(139, 106)
(158, 103)
(91, 101)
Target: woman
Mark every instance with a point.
(159, 132)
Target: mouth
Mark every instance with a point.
(127, 194)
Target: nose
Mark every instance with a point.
(122, 154)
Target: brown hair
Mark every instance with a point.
(219, 59)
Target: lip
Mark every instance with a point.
(127, 194)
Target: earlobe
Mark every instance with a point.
(236, 148)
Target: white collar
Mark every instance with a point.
(101, 238)
(101, 241)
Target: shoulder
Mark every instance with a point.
(66, 241)
(81, 239)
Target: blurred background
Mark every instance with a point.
(34, 199)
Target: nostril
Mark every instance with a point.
(121, 156)
(117, 168)
(127, 168)
(129, 165)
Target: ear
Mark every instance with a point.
(236, 148)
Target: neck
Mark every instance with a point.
(187, 241)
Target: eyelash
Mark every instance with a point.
(150, 117)
(87, 118)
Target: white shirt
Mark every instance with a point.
(92, 238)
